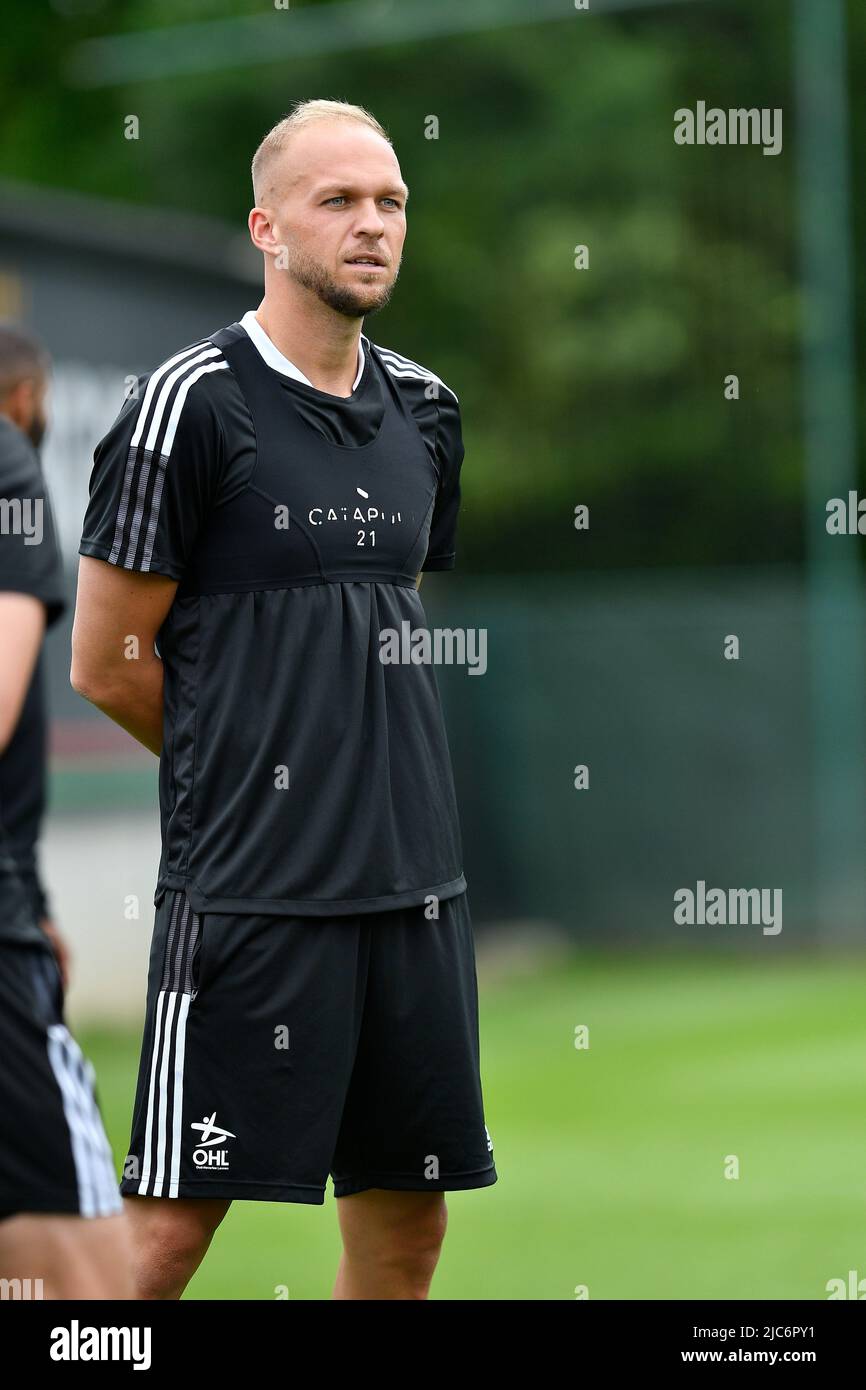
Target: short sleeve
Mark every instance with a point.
(30, 560)
(157, 471)
(442, 546)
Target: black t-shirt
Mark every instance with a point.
(299, 773)
(29, 564)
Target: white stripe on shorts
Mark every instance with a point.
(94, 1170)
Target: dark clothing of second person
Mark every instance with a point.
(30, 563)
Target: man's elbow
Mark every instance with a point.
(81, 679)
(87, 678)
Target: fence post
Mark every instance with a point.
(835, 609)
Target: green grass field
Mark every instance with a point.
(612, 1160)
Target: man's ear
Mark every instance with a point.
(261, 229)
(19, 403)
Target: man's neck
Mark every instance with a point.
(320, 342)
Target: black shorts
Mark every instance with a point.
(278, 1050)
(54, 1156)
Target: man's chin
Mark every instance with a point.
(355, 305)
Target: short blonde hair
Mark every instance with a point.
(303, 114)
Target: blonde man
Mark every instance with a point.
(265, 506)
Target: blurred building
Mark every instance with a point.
(111, 290)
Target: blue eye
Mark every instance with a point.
(341, 198)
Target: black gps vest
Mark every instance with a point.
(315, 511)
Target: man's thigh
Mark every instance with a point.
(51, 1256)
(378, 1220)
(173, 1222)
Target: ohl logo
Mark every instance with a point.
(207, 1155)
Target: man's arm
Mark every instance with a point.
(118, 614)
(22, 627)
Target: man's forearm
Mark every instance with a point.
(115, 666)
(134, 701)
